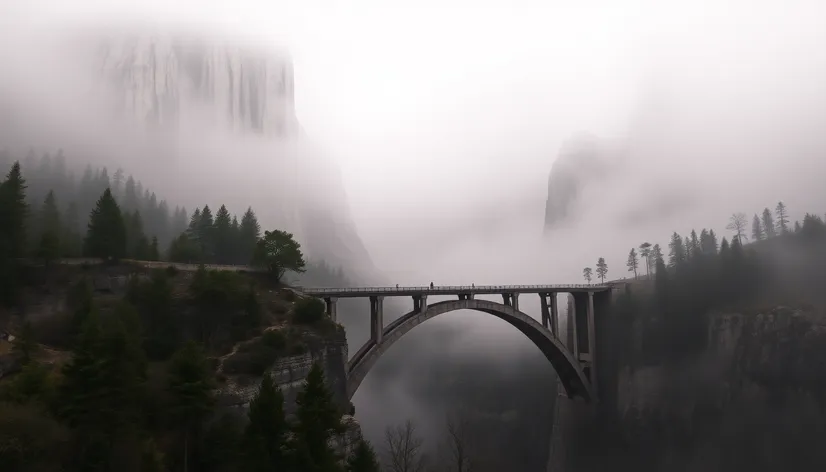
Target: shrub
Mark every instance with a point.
(254, 360)
(297, 348)
(308, 311)
(275, 339)
(171, 271)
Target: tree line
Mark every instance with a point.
(701, 273)
(112, 233)
(74, 197)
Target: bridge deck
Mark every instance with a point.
(447, 290)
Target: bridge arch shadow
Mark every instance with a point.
(570, 373)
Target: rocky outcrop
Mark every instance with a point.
(583, 159)
(289, 373)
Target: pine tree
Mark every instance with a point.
(117, 184)
(250, 232)
(190, 386)
(768, 224)
(696, 248)
(264, 442)
(235, 230)
(687, 244)
(633, 262)
(193, 226)
(206, 235)
(103, 385)
(13, 214)
(106, 236)
(154, 254)
(782, 218)
(645, 251)
(222, 230)
(49, 247)
(705, 242)
(756, 228)
(657, 254)
(137, 246)
(318, 421)
(602, 269)
(130, 195)
(713, 241)
(676, 254)
(363, 459)
(587, 273)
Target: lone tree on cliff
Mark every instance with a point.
(782, 217)
(645, 251)
(756, 228)
(106, 236)
(768, 224)
(279, 252)
(602, 269)
(587, 273)
(633, 262)
(737, 223)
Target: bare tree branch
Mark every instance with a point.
(458, 443)
(403, 449)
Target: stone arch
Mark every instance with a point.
(570, 373)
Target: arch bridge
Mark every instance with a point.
(572, 354)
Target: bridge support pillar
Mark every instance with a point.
(549, 312)
(376, 319)
(546, 315)
(511, 300)
(331, 307)
(554, 314)
(419, 303)
(592, 342)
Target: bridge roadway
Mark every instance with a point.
(447, 290)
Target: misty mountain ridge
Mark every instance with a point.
(197, 117)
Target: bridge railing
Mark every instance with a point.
(447, 288)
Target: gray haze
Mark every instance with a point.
(445, 119)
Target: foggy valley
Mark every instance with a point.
(423, 145)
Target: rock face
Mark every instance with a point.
(290, 373)
(583, 160)
(164, 80)
(759, 383)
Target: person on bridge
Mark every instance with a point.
(473, 285)
(397, 286)
(431, 284)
